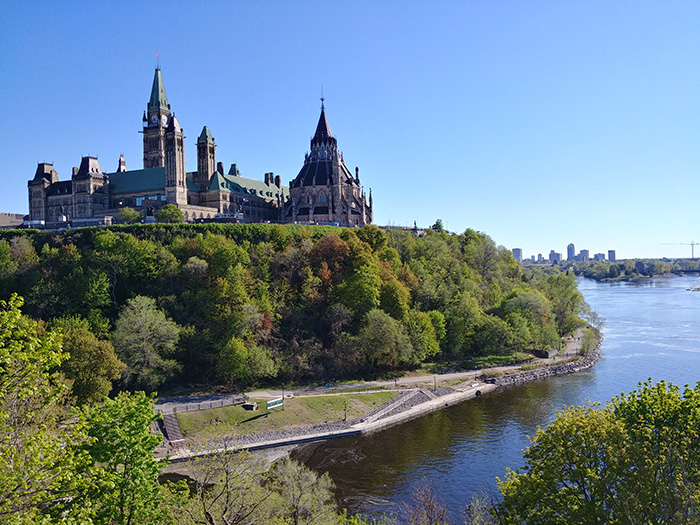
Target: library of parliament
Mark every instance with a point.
(324, 191)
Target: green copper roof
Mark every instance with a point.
(159, 100)
(245, 186)
(205, 136)
(136, 180)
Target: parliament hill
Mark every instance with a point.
(324, 192)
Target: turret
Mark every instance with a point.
(122, 164)
(206, 158)
(44, 177)
(175, 176)
(89, 189)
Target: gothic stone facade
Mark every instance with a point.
(324, 191)
(92, 196)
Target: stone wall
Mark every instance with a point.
(545, 372)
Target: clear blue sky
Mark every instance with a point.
(539, 123)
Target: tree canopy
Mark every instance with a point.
(241, 304)
(634, 460)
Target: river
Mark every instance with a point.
(651, 330)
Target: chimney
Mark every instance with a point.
(278, 181)
(267, 179)
(75, 171)
(220, 167)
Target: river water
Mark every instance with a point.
(651, 330)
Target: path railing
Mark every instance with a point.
(237, 399)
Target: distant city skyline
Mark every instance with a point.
(535, 123)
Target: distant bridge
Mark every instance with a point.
(683, 272)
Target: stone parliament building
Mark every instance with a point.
(324, 191)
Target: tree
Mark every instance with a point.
(144, 337)
(394, 298)
(92, 365)
(125, 485)
(38, 462)
(306, 497)
(492, 336)
(383, 341)
(566, 300)
(361, 291)
(229, 489)
(8, 265)
(373, 236)
(635, 460)
(171, 214)
(243, 363)
(425, 507)
(421, 332)
(129, 215)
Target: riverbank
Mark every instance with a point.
(410, 404)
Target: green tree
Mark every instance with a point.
(125, 486)
(361, 291)
(373, 236)
(492, 336)
(421, 333)
(567, 301)
(242, 364)
(170, 214)
(129, 215)
(144, 338)
(8, 265)
(383, 341)
(38, 462)
(394, 298)
(635, 460)
(92, 365)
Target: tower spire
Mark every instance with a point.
(323, 130)
(159, 100)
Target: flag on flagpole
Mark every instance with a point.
(156, 53)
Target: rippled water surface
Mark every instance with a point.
(651, 330)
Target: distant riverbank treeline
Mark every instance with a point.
(239, 304)
(632, 269)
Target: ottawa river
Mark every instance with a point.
(651, 330)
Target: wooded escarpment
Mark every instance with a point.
(239, 304)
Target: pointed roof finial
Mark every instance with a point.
(322, 99)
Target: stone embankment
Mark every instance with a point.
(392, 412)
(408, 405)
(547, 371)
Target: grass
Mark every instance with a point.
(500, 360)
(298, 411)
(532, 366)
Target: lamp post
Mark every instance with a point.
(346, 410)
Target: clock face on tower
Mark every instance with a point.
(163, 120)
(154, 119)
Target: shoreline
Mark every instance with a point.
(411, 404)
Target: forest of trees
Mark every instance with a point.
(175, 305)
